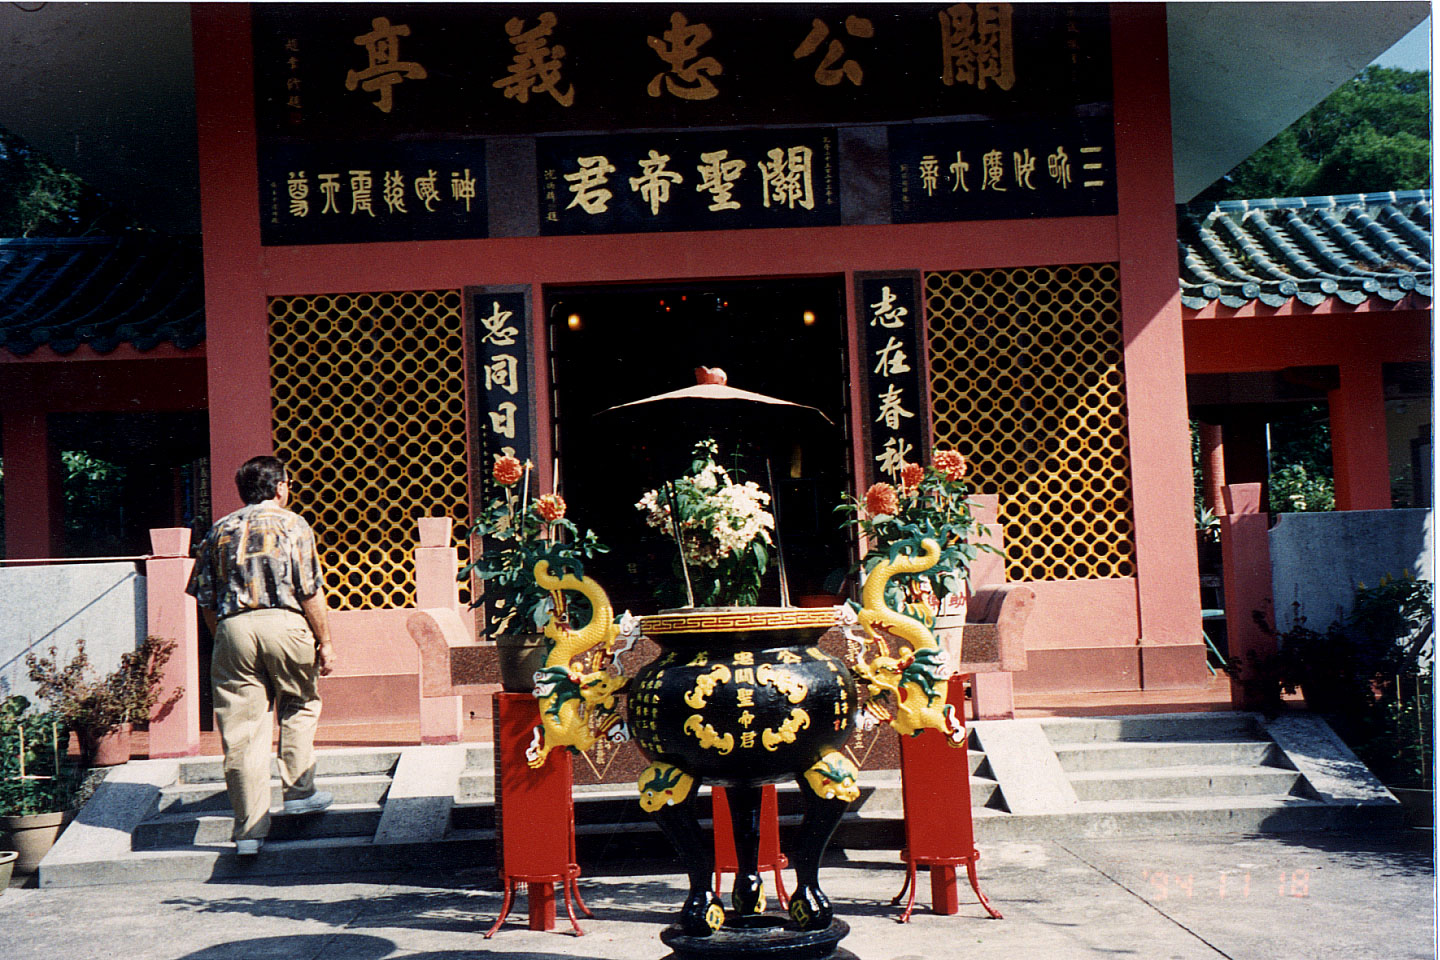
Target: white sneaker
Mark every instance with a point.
(247, 848)
(314, 803)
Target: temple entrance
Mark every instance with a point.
(784, 338)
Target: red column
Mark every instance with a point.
(33, 506)
(171, 614)
(1212, 466)
(1357, 438)
(1245, 546)
(1172, 653)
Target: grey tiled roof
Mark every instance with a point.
(1357, 247)
(142, 289)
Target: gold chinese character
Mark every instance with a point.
(744, 696)
(993, 166)
(496, 330)
(502, 419)
(746, 718)
(827, 75)
(394, 191)
(360, 199)
(679, 45)
(891, 412)
(501, 373)
(536, 66)
(654, 181)
(886, 313)
(588, 184)
(1058, 163)
(929, 174)
(786, 178)
(789, 656)
(976, 45)
(747, 739)
(426, 191)
(745, 675)
(894, 457)
(958, 170)
(1024, 169)
(386, 68)
(299, 190)
(462, 188)
(330, 186)
(892, 358)
(745, 658)
(717, 176)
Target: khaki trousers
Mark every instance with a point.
(260, 657)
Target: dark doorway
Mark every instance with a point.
(613, 345)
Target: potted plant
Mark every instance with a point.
(38, 785)
(518, 531)
(722, 529)
(932, 503)
(102, 711)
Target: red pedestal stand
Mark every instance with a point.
(536, 815)
(939, 829)
(726, 860)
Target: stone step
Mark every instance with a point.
(328, 763)
(1132, 755)
(1215, 782)
(172, 831)
(1159, 726)
(194, 798)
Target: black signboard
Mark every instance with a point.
(354, 193)
(503, 392)
(703, 181)
(1002, 171)
(379, 71)
(896, 426)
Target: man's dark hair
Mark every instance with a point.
(258, 477)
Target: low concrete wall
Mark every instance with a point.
(1319, 559)
(103, 603)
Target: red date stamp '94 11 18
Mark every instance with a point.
(1242, 883)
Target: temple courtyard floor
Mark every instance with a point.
(1307, 896)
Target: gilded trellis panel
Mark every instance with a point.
(1028, 383)
(368, 410)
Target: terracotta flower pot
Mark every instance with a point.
(7, 866)
(110, 748)
(31, 836)
(520, 655)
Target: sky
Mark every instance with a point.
(1411, 52)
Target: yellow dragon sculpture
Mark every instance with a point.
(918, 676)
(576, 708)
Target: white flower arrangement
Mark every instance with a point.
(724, 528)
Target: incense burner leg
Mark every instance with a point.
(702, 914)
(809, 907)
(749, 894)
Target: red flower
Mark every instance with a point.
(911, 474)
(551, 507)
(508, 471)
(950, 463)
(881, 498)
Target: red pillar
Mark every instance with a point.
(1245, 545)
(33, 506)
(171, 614)
(1357, 438)
(1212, 466)
(1172, 653)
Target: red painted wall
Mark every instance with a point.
(240, 274)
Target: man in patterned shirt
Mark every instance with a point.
(258, 580)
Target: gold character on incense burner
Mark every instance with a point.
(918, 677)
(576, 708)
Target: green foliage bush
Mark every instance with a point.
(35, 776)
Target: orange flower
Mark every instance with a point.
(911, 474)
(950, 463)
(551, 507)
(881, 498)
(508, 471)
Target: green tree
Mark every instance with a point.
(39, 198)
(1370, 135)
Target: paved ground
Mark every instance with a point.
(1300, 896)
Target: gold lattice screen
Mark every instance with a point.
(367, 397)
(1027, 382)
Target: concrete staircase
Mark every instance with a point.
(1094, 777)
